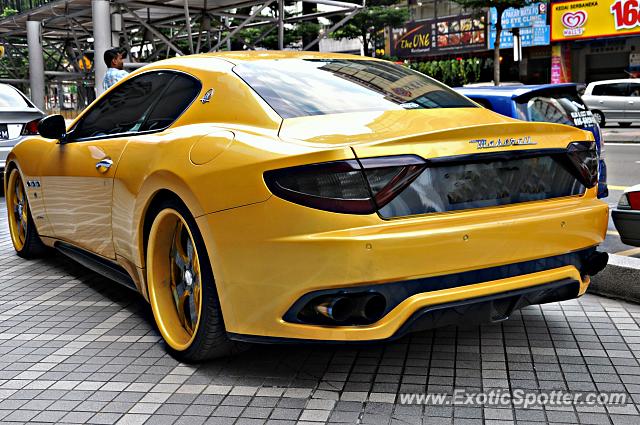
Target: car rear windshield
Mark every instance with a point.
(302, 87)
(10, 98)
(562, 107)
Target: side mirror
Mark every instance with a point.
(53, 127)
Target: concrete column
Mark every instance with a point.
(36, 63)
(101, 39)
(280, 24)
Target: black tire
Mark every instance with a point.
(211, 340)
(624, 124)
(33, 246)
(599, 117)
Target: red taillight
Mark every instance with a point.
(350, 187)
(30, 128)
(584, 157)
(634, 200)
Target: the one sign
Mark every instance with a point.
(531, 21)
(595, 18)
(445, 35)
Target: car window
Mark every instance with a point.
(303, 87)
(614, 89)
(124, 109)
(10, 98)
(182, 90)
(556, 106)
(634, 90)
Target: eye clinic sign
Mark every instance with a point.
(574, 20)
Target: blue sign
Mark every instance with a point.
(531, 21)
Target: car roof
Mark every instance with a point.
(19, 94)
(618, 80)
(510, 91)
(236, 57)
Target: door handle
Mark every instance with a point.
(104, 164)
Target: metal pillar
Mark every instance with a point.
(280, 24)
(36, 63)
(101, 39)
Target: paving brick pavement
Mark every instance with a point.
(77, 348)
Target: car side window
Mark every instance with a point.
(634, 90)
(124, 109)
(182, 90)
(614, 89)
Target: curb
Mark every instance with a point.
(620, 279)
(616, 136)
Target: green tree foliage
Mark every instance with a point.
(501, 6)
(369, 22)
(452, 72)
(8, 11)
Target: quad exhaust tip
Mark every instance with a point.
(595, 263)
(357, 309)
(338, 309)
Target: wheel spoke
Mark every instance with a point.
(193, 312)
(23, 231)
(180, 307)
(178, 259)
(190, 251)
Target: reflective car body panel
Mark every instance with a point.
(267, 252)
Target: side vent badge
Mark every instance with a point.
(207, 97)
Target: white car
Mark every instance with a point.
(18, 117)
(614, 101)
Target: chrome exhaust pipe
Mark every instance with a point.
(336, 309)
(594, 263)
(371, 307)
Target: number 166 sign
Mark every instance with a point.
(596, 18)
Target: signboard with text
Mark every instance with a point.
(531, 21)
(590, 19)
(439, 36)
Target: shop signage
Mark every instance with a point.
(439, 36)
(531, 21)
(560, 64)
(590, 19)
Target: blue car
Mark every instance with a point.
(557, 103)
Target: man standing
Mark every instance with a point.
(115, 67)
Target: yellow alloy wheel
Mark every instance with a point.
(18, 209)
(174, 279)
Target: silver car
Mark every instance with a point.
(18, 117)
(614, 101)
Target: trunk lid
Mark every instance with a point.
(452, 160)
(425, 132)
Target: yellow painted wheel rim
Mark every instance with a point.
(174, 279)
(18, 209)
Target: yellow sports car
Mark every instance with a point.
(279, 196)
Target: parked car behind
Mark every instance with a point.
(626, 216)
(18, 117)
(556, 103)
(614, 101)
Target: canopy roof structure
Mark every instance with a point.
(72, 35)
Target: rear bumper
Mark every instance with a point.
(491, 308)
(266, 256)
(628, 224)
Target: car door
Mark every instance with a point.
(77, 178)
(611, 99)
(633, 102)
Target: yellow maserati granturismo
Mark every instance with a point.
(279, 196)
